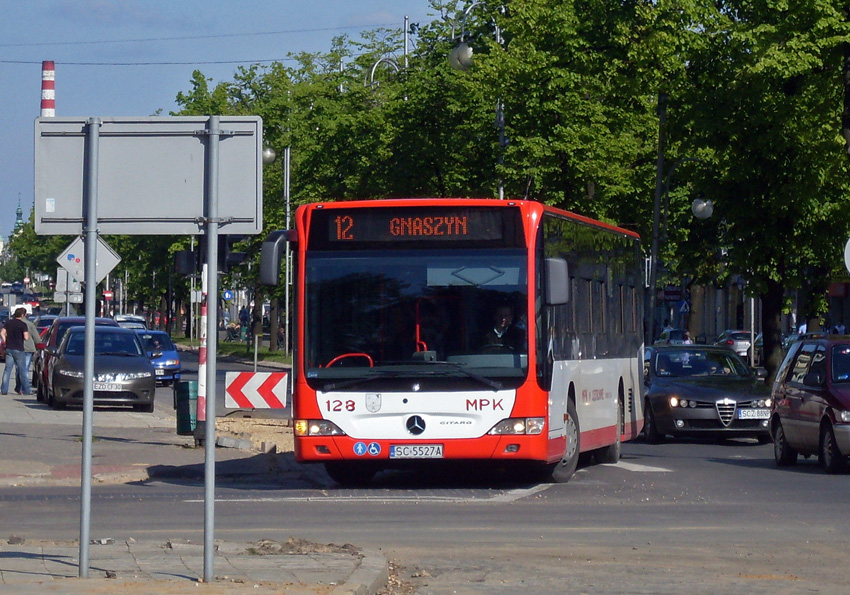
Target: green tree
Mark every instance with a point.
(765, 97)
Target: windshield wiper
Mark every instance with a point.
(494, 384)
(384, 374)
(377, 375)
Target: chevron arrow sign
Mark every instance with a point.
(255, 390)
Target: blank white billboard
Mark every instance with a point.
(151, 175)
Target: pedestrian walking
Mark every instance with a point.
(14, 333)
(29, 352)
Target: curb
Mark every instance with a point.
(371, 575)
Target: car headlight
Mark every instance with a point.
(845, 417)
(674, 402)
(132, 376)
(762, 403)
(71, 373)
(316, 427)
(518, 425)
(172, 362)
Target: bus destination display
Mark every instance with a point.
(402, 225)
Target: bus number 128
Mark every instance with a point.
(337, 405)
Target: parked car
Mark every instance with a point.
(49, 341)
(131, 321)
(123, 374)
(811, 403)
(163, 355)
(43, 322)
(737, 341)
(697, 390)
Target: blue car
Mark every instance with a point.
(163, 355)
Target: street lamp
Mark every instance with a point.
(460, 58)
(389, 62)
(700, 207)
(269, 156)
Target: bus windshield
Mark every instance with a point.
(443, 318)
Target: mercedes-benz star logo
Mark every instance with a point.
(415, 425)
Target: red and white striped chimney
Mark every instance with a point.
(48, 89)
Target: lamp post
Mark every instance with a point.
(460, 58)
(701, 209)
(371, 83)
(269, 156)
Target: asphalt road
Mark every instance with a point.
(679, 517)
(684, 516)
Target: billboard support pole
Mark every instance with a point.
(213, 138)
(92, 146)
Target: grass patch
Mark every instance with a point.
(242, 350)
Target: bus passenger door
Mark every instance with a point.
(556, 293)
(558, 399)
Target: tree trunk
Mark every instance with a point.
(163, 313)
(845, 72)
(178, 318)
(771, 321)
(695, 320)
(274, 324)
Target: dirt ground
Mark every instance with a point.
(263, 433)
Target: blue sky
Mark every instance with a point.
(98, 44)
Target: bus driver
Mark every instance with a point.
(504, 334)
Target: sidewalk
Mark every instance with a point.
(41, 446)
(176, 568)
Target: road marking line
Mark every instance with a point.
(638, 468)
(510, 496)
(514, 495)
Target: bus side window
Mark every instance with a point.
(557, 281)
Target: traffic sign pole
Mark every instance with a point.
(93, 134)
(214, 133)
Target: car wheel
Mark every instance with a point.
(830, 457)
(782, 451)
(650, 427)
(566, 467)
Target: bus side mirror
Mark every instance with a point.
(557, 281)
(270, 255)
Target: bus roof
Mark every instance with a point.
(490, 202)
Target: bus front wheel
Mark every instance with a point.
(566, 467)
(347, 473)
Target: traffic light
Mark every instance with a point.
(227, 257)
(185, 262)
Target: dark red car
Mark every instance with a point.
(811, 403)
(50, 340)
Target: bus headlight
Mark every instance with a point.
(316, 427)
(519, 425)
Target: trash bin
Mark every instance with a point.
(186, 404)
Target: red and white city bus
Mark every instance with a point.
(399, 358)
